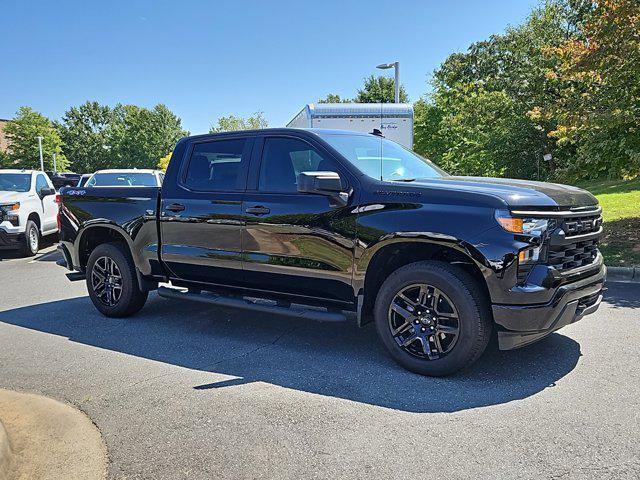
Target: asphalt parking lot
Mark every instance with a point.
(186, 391)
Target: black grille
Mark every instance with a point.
(580, 225)
(572, 255)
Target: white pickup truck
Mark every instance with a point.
(28, 209)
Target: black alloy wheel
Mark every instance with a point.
(433, 317)
(112, 281)
(424, 321)
(106, 281)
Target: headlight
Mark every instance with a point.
(529, 226)
(11, 207)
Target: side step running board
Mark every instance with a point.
(237, 302)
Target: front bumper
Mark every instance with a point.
(11, 240)
(520, 325)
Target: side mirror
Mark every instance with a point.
(323, 183)
(46, 191)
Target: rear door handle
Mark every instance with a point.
(175, 207)
(258, 210)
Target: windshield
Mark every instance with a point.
(131, 179)
(382, 159)
(15, 182)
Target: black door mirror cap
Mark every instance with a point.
(319, 182)
(323, 183)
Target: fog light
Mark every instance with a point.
(529, 255)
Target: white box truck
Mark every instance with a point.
(394, 120)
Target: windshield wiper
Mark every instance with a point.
(404, 180)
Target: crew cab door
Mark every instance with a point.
(201, 212)
(295, 243)
(47, 195)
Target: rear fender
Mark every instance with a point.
(141, 262)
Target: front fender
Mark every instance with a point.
(468, 249)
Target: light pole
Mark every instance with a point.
(41, 160)
(55, 167)
(396, 67)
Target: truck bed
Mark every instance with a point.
(126, 213)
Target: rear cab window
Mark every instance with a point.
(218, 165)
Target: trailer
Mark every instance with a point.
(394, 120)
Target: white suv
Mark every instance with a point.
(28, 209)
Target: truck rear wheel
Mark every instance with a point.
(112, 281)
(432, 318)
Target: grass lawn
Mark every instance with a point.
(620, 201)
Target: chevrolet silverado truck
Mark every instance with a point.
(316, 223)
(28, 210)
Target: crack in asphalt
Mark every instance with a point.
(148, 380)
(258, 348)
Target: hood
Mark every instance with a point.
(11, 197)
(516, 193)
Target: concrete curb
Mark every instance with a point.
(5, 453)
(623, 274)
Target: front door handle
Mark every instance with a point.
(258, 210)
(176, 207)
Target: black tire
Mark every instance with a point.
(31, 242)
(130, 298)
(473, 320)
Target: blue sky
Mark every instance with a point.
(207, 59)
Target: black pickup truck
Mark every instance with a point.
(276, 219)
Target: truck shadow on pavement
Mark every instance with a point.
(332, 359)
(622, 295)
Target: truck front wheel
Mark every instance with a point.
(433, 318)
(112, 281)
(31, 243)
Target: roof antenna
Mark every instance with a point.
(377, 133)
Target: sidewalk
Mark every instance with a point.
(46, 439)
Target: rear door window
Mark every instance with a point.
(219, 165)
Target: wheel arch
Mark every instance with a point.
(35, 218)
(93, 235)
(398, 250)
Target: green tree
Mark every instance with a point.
(598, 111)
(163, 163)
(487, 103)
(233, 123)
(138, 137)
(379, 90)
(23, 132)
(4, 160)
(334, 98)
(85, 135)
